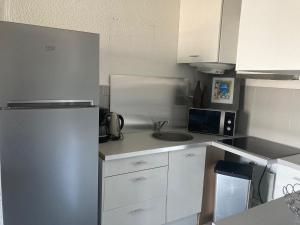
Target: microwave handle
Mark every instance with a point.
(222, 122)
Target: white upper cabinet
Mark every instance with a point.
(208, 32)
(269, 38)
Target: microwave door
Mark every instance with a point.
(204, 121)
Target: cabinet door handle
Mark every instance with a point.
(139, 163)
(137, 211)
(189, 155)
(138, 179)
(194, 56)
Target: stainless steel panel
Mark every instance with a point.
(47, 64)
(232, 196)
(142, 100)
(49, 161)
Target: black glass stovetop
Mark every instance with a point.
(261, 147)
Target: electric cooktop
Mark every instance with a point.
(265, 148)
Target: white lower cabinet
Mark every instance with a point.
(185, 183)
(151, 212)
(169, 193)
(285, 175)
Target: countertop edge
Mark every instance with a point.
(152, 151)
(183, 147)
(240, 152)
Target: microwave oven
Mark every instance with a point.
(212, 121)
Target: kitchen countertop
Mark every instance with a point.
(142, 143)
(272, 213)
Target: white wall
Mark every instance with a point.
(272, 113)
(137, 36)
(2, 9)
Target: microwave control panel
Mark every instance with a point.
(229, 123)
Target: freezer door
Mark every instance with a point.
(49, 161)
(38, 63)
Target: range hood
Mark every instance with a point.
(266, 76)
(213, 68)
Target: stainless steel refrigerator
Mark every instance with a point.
(48, 125)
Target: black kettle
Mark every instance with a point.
(103, 125)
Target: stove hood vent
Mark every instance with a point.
(265, 76)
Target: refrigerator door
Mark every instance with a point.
(231, 196)
(38, 63)
(49, 161)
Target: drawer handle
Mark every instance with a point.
(136, 211)
(194, 56)
(139, 179)
(139, 163)
(190, 155)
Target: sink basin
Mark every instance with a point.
(172, 136)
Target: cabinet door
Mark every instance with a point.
(285, 175)
(199, 30)
(185, 182)
(269, 36)
(230, 31)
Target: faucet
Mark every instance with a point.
(158, 125)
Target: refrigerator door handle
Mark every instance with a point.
(40, 104)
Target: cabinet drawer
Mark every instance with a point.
(135, 187)
(121, 166)
(285, 175)
(151, 212)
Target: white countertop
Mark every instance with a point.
(272, 213)
(142, 143)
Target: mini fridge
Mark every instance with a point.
(233, 189)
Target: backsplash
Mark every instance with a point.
(271, 113)
(143, 100)
(206, 81)
(104, 96)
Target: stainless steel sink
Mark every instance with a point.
(172, 136)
